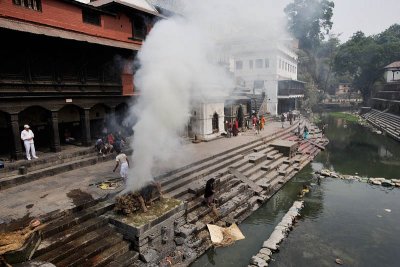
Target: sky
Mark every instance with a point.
(369, 16)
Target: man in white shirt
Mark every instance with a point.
(27, 136)
(123, 160)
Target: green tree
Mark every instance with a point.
(309, 21)
(364, 57)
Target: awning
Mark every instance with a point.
(55, 32)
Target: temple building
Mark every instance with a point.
(388, 99)
(67, 68)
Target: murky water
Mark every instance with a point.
(341, 219)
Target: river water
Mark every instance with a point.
(353, 221)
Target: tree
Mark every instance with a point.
(364, 57)
(309, 21)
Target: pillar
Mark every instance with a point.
(16, 153)
(55, 135)
(85, 127)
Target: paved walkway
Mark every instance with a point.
(64, 191)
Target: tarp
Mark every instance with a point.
(224, 236)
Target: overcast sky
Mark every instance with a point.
(369, 16)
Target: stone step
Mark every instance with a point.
(125, 260)
(196, 203)
(74, 246)
(12, 181)
(108, 255)
(12, 167)
(79, 258)
(61, 238)
(63, 223)
(186, 180)
(194, 168)
(202, 210)
(273, 164)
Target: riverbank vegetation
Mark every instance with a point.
(324, 62)
(344, 115)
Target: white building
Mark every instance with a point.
(268, 67)
(207, 119)
(392, 72)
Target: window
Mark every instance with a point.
(259, 63)
(267, 63)
(285, 65)
(250, 64)
(90, 17)
(280, 63)
(239, 64)
(139, 29)
(31, 4)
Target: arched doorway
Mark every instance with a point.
(99, 118)
(69, 125)
(5, 136)
(38, 119)
(215, 124)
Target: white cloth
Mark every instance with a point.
(121, 158)
(124, 170)
(29, 147)
(27, 136)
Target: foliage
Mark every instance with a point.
(309, 21)
(344, 115)
(364, 57)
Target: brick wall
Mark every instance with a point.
(69, 16)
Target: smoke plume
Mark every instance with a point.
(180, 63)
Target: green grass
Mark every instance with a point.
(346, 116)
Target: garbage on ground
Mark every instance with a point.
(224, 236)
(109, 184)
(339, 261)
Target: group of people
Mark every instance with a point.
(288, 116)
(258, 123)
(109, 143)
(232, 128)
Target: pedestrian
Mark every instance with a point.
(235, 129)
(262, 122)
(229, 129)
(254, 122)
(324, 129)
(282, 119)
(290, 117)
(27, 136)
(209, 192)
(305, 132)
(122, 160)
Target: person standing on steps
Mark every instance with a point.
(122, 160)
(282, 119)
(27, 136)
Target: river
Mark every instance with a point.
(353, 221)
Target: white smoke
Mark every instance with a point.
(179, 64)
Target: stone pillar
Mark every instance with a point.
(85, 126)
(55, 135)
(13, 123)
